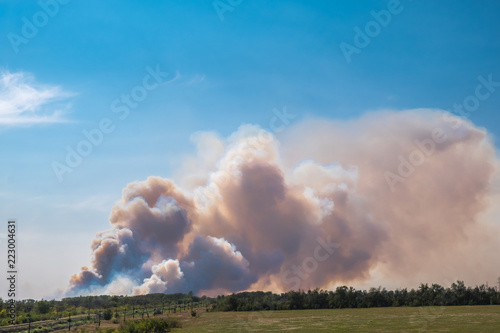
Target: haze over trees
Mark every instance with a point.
(349, 297)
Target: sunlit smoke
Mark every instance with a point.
(401, 197)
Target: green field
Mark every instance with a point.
(402, 319)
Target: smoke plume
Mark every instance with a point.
(393, 198)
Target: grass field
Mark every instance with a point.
(425, 319)
(403, 319)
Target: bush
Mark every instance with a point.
(107, 314)
(193, 313)
(41, 329)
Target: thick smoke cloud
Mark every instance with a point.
(394, 198)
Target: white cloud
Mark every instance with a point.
(24, 102)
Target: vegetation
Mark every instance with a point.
(348, 297)
(150, 325)
(109, 307)
(139, 326)
(107, 314)
(91, 310)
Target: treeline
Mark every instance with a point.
(105, 301)
(142, 305)
(349, 297)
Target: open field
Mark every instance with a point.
(392, 319)
(403, 319)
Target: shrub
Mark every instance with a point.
(107, 314)
(193, 313)
(42, 330)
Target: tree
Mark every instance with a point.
(107, 314)
(43, 307)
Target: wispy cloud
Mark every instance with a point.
(198, 78)
(25, 102)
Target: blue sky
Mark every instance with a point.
(221, 73)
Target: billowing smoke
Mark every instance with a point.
(395, 198)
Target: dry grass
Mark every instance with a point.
(403, 319)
